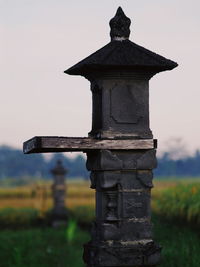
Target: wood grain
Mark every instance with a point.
(43, 144)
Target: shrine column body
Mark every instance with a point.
(119, 74)
(120, 149)
(59, 212)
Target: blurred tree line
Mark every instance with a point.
(13, 164)
(187, 166)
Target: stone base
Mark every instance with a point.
(136, 255)
(58, 217)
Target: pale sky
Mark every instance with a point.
(42, 38)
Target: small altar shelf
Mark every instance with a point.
(44, 144)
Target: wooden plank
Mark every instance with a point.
(43, 144)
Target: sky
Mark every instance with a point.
(42, 38)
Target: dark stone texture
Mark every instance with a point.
(121, 160)
(120, 25)
(104, 255)
(120, 108)
(122, 97)
(123, 231)
(123, 179)
(103, 160)
(115, 205)
(122, 55)
(135, 204)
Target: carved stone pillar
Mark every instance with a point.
(122, 234)
(119, 74)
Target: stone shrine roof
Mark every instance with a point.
(121, 53)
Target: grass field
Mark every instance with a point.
(41, 248)
(171, 198)
(39, 197)
(49, 247)
(181, 245)
(174, 202)
(181, 202)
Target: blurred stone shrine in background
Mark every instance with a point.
(59, 211)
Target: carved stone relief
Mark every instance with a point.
(127, 160)
(124, 105)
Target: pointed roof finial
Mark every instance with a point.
(121, 54)
(120, 26)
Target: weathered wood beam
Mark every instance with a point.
(43, 144)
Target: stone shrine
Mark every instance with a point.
(121, 151)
